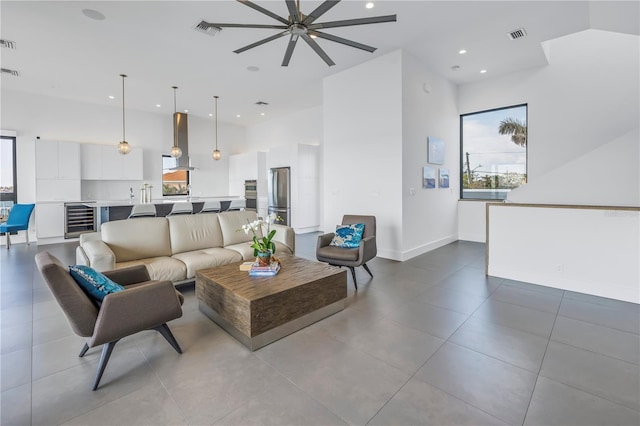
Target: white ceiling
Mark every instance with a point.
(63, 53)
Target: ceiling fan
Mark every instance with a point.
(302, 26)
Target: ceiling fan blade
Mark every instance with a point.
(293, 11)
(277, 27)
(319, 11)
(311, 42)
(343, 41)
(292, 45)
(263, 41)
(264, 11)
(350, 22)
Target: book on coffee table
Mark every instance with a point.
(264, 271)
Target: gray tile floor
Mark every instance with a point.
(427, 341)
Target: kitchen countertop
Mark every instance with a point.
(115, 203)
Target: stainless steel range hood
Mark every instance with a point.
(181, 135)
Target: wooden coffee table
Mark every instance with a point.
(261, 310)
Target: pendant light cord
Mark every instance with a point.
(216, 122)
(123, 122)
(175, 110)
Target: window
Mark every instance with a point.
(174, 182)
(493, 152)
(8, 190)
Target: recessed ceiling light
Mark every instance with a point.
(237, 115)
(262, 113)
(483, 71)
(158, 105)
(186, 110)
(253, 68)
(462, 51)
(210, 115)
(93, 14)
(111, 97)
(369, 5)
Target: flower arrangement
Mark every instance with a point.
(262, 245)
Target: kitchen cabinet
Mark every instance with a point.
(104, 162)
(49, 220)
(57, 160)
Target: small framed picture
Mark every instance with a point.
(443, 178)
(435, 150)
(428, 177)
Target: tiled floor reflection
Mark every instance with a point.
(427, 341)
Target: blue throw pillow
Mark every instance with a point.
(95, 284)
(348, 236)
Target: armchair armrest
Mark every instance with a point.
(285, 235)
(368, 248)
(130, 275)
(135, 309)
(99, 254)
(324, 240)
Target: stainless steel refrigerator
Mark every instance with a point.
(280, 194)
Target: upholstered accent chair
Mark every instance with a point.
(350, 257)
(18, 220)
(142, 305)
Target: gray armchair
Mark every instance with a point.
(350, 257)
(143, 305)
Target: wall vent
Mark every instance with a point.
(261, 103)
(12, 72)
(207, 28)
(516, 34)
(8, 44)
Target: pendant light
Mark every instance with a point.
(176, 152)
(123, 146)
(216, 152)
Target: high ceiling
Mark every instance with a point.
(61, 52)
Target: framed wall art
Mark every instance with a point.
(428, 177)
(443, 178)
(435, 150)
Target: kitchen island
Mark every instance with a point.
(108, 210)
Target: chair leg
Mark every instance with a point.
(8, 239)
(84, 350)
(104, 359)
(28, 243)
(353, 274)
(166, 333)
(366, 268)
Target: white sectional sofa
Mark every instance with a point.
(175, 247)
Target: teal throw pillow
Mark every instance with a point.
(348, 236)
(95, 284)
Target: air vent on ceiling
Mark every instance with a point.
(12, 72)
(516, 34)
(8, 44)
(261, 103)
(207, 28)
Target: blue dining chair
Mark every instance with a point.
(18, 220)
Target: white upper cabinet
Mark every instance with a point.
(57, 160)
(104, 162)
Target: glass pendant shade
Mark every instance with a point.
(176, 152)
(216, 152)
(123, 147)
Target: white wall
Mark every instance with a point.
(429, 108)
(60, 119)
(362, 150)
(587, 97)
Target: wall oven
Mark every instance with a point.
(251, 195)
(78, 219)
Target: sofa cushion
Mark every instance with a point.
(207, 258)
(134, 239)
(243, 249)
(231, 226)
(92, 282)
(160, 268)
(194, 232)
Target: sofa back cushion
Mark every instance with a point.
(231, 224)
(140, 238)
(194, 232)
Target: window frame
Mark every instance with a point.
(462, 152)
(13, 196)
